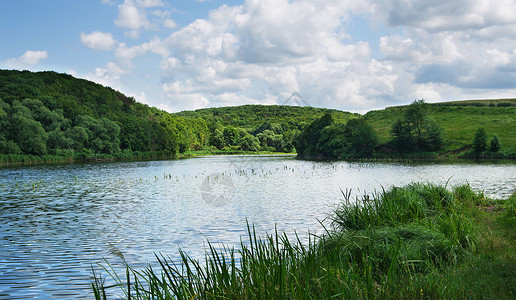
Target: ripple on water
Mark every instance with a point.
(56, 221)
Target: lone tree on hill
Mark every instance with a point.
(416, 131)
(480, 141)
(495, 144)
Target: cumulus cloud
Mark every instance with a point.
(150, 3)
(108, 75)
(451, 48)
(263, 50)
(28, 59)
(441, 15)
(132, 18)
(98, 40)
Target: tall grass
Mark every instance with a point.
(390, 245)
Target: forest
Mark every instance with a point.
(51, 116)
(47, 117)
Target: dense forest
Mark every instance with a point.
(260, 127)
(56, 116)
(47, 116)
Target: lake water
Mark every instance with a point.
(56, 221)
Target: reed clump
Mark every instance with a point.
(395, 244)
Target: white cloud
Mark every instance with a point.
(445, 15)
(98, 40)
(150, 3)
(28, 59)
(263, 50)
(132, 18)
(169, 23)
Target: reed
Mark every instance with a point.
(395, 244)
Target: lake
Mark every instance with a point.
(58, 220)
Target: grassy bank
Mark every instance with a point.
(417, 241)
(76, 157)
(459, 120)
(232, 152)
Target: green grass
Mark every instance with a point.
(460, 120)
(412, 242)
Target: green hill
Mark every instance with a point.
(260, 127)
(459, 120)
(252, 116)
(51, 116)
(47, 116)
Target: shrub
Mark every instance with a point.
(494, 145)
(480, 140)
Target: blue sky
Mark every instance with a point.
(343, 54)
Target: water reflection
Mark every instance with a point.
(56, 220)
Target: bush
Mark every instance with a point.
(480, 140)
(494, 145)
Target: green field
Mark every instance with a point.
(460, 120)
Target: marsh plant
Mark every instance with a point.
(389, 245)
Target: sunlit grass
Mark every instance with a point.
(398, 244)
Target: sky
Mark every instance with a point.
(343, 54)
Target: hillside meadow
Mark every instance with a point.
(459, 120)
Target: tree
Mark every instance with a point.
(416, 132)
(361, 138)
(433, 136)
(58, 140)
(417, 116)
(29, 133)
(78, 137)
(249, 143)
(480, 141)
(495, 145)
(217, 139)
(271, 141)
(332, 141)
(306, 143)
(231, 136)
(403, 139)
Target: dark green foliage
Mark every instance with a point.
(275, 126)
(332, 141)
(47, 112)
(307, 142)
(361, 138)
(480, 140)
(416, 132)
(434, 137)
(327, 139)
(403, 140)
(270, 140)
(28, 133)
(494, 145)
(249, 142)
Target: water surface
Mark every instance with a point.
(55, 221)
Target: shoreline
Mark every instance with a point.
(28, 160)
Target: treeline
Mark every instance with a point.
(259, 127)
(47, 116)
(414, 132)
(56, 116)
